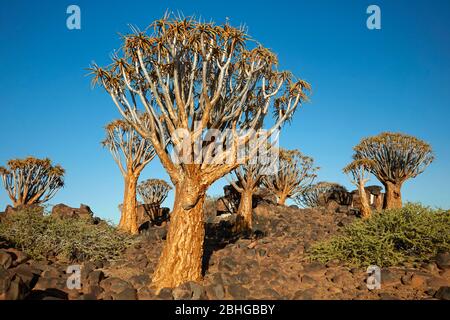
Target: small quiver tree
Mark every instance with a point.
(249, 177)
(153, 192)
(296, 173)
(131, 153)
(31, 181)
(396, 158)
(318, 195)
(193, 78)
(359, 171)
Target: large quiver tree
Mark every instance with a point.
(396, 158)
(131, 153)
(192, 78)
(31, 181)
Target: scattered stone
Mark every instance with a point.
(238, 292)
(443, 293)
(5, 259)
(308, 280)
(308, 294)
(227, 264)
(126, 294)
(387, 296)
(215, 292)
(436, 282)
(115, 285)
(165, 294)
(389, 278)
(63, 211)
(443, 260)
(140, 280)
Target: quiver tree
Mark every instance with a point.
(31, 181)
(197, 80)
(296, 172)
(153, 191)
(249, 177)
(359, 172)
(396, 158)
(319, 194)
(131, 153)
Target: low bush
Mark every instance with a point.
(414, 233)
(70, 239)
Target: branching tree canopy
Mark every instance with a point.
(396, 158)
(316, 195)
(131, 153)
(296, 173)
(192, 79)
(359, 173)
(31, 181)
(154, 191)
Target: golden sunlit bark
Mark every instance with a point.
(128, 219)
(393, 196)
(366, 211)
(244, 221)
(190, 79)
(131, 153)
(181, 259)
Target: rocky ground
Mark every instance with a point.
(270, 266)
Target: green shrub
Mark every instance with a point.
(69, 239)
(412, 234)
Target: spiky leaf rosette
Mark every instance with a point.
(296, 173)
(31, 180)
(153, 191)
(128, 148)
(395, 157)
(188, 74)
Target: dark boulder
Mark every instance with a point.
(443, 293)
(443, 260)
(63, 211)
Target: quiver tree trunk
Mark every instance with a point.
(366, 211)
(128, 219)
(181, 259)
(244, 221)
(393, 196)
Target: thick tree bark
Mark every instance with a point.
(245, 210)
(128, 219)
(181, 259)
(366, 211)
(393, 196)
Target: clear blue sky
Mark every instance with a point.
(364, 82)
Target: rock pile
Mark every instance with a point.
(271, 265)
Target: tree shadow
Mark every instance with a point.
(219, 235)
